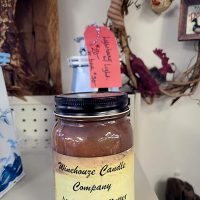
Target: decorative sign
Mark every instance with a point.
(103, 57)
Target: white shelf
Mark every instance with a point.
(34, 120)
(38, 184)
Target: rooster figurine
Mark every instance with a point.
(159, 6)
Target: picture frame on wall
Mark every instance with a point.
(189, 21)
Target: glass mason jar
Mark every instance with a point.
(92, 144)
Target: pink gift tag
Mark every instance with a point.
(103, 57)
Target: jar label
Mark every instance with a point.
(98, 178)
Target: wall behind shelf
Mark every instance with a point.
(169, 137)
(74, 16)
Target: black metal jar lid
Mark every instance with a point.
(91, 104)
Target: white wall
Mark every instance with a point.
(75, 15)
(169, 137)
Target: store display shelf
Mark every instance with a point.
(39, 184)
(34, 122)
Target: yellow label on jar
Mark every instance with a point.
(98, 178)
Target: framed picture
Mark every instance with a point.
(189, 21)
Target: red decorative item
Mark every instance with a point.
(156, 2)
(146, 83)
(166, 67)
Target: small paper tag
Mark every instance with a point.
(103, 57)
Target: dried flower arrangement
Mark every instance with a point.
(30, 35)
(150, 83)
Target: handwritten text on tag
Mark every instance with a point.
(103, 57)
